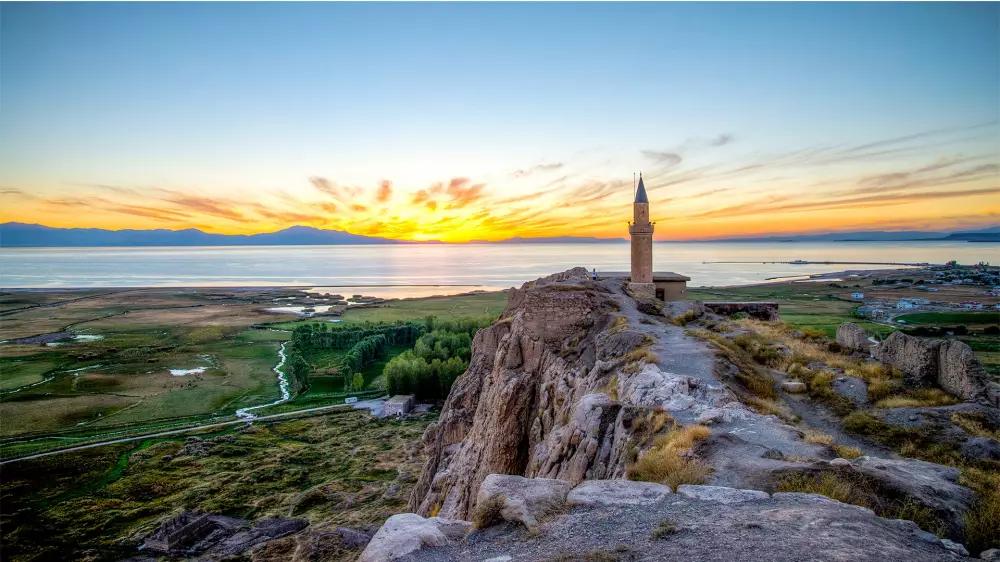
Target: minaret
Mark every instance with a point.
(641, 232)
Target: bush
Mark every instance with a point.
(669, 462)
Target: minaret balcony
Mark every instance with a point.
(640, 228)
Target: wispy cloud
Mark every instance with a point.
(524, 172)
(667, 159)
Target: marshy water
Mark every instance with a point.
(412, 270)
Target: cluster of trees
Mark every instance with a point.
(343, 336)
(364, 353)
(436, 360)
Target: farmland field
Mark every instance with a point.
(76, 366)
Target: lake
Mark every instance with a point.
(425, 269)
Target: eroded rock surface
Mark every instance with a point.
(853, 337)
(959, 372)
(782, 527)
(405, 533)
(916, 357)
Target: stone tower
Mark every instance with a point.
(641, 232)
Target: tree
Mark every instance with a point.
(358, 382)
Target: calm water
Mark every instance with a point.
(349, 269)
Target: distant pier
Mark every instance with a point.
(805, 262)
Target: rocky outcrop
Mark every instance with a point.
(916, 357)
(592, 493)
(532, 402)
(405, 533)
(527, 501)
(624, 520)
(903, 481)
(950, 364)
(959, 372)
(853, 337)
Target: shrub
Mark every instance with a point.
(818, 438)
(882, 388)
(668, 467)
(846, 452)
(488, 512)
(923, 397)
(663, 530)
(863, 423)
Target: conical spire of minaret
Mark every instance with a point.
(640, 193)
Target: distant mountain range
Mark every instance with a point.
(20, 235)
(991, 234)
(15, 234)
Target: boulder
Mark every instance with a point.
(916, 357)
(853, 337)
(405, 533)
(959, 372)
(616, 493)
(793, 387)
(720, 494)
(981, 449)
(932, 485)
(519, 500)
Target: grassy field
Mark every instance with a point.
(55, 390)
(970, 319)
(96, 504)
(459, 306)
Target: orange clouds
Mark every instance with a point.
(384, 192)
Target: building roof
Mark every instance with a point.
(640, 193)
(657, 275)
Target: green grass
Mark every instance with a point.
(458, 306)
(951, 318)
(96, 504)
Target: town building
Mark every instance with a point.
(398, 405)
(858, 295)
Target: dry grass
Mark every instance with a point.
(669, 460)
(982, 530)
(685, 318)
(858, 491)
(924, 397)
(488, 512)
(641, 354)
(845, 451)
(818, 438)
(975, 424)
(769, 407)
(620, 323)
(663, 530)
(611, 389)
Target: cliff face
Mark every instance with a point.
(512, 412)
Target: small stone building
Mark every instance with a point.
(398, 405)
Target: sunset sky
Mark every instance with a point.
(462, 122)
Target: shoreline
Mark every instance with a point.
(247, 288)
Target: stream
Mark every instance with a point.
(247, 413)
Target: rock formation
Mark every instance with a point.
(556, 406)
(959, 372)
(916, 357)
(950, 364)
(623, 520)
(518, 409)
(852, 337)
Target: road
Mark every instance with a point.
(375, 406)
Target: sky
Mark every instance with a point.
(461, 122)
